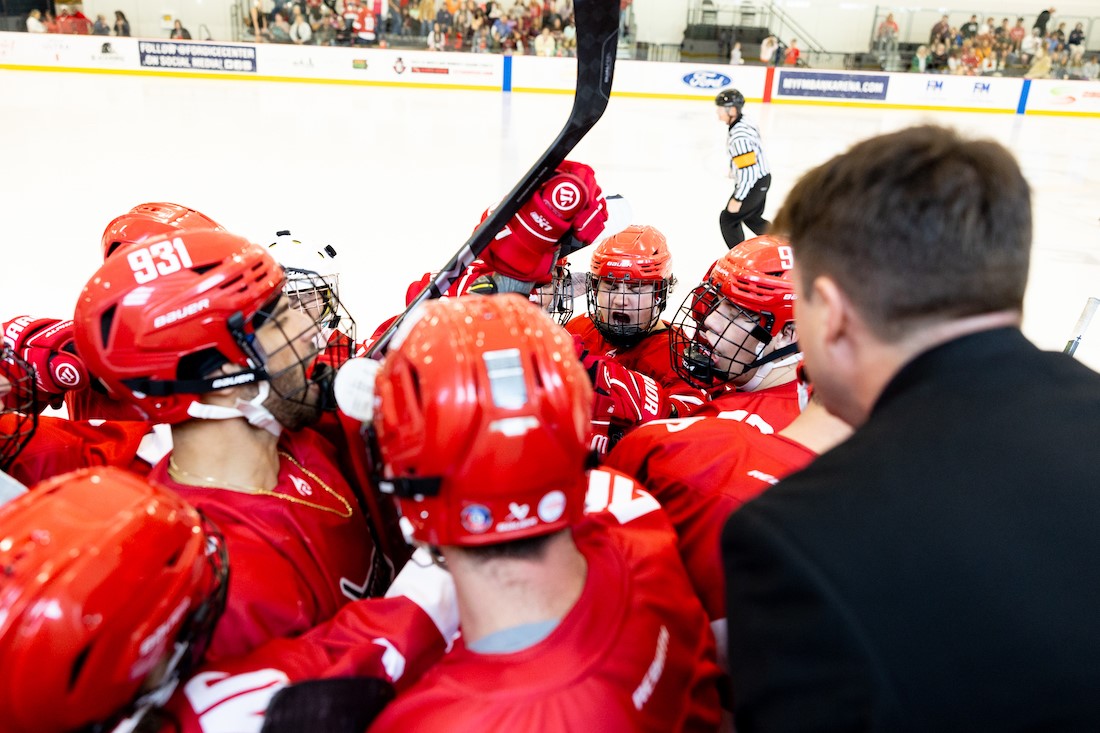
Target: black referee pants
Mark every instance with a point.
(751, 215)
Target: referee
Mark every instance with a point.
(748, 166)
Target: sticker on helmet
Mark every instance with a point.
(551, 506)
(476, 519)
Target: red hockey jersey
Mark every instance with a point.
(395, 638)
(297, 553)
(772, 409)
(650, 356)
(633, 654)
(59, 446)
(701, 470)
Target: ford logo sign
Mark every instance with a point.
(706, 80)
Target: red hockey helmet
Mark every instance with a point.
(636, 255)
(105, 577)
(754, 279)
(151, 220)
(482, 415)
(159, 316)
(19, 406)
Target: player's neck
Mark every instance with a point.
(224, 452)
(817, 429)
(503, 593)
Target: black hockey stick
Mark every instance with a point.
(597, 41)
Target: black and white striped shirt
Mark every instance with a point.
(748, 164)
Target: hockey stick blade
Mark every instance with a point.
(1082, 325)
(597, 42)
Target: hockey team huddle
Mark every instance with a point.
(511, 521)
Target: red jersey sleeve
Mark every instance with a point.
(59, 446)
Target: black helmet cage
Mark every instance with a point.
(556, 297)
(696, 357)
(20, 404)
(627, 334)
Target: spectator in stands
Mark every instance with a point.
(1042, 20)
(768, 48)
(280, 29)
(1075, 68)
(1077, 36)
(969, 29)
(544, 44)
(1030, 46)
(1002, 31)
(1017, 34)
(1059, 61)
(301, 32)
(100, 27)
(1059, 33)
(437, 39)
(969, 58)
(443, 17)
(992, 63)
(179, 32)
(954, 64)
(736, 59)
(396, 19)
(569, 37)
(1040, 64)
(1090, 70)
(427, 17)
(122, 26)
(938, 61)
(886, 38)
(921, 62)
(481, 41)
(940, 32)
(34, 22)
(790, 58)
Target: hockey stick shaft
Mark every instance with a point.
(1082, 325)
(597, 42)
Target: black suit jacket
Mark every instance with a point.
(938, 571)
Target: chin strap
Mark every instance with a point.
(784, 356)
(252, 410)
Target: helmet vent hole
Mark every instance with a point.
(105, 322)
(78, 666)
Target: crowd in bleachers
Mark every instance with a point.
(514, 26)
(1045, 50)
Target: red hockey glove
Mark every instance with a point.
(589, 221)
(626, 397)
(47, 345)
(527, 247)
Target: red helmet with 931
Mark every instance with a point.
(145, 221)
(482, 414)
(160, 315)
(106, 577)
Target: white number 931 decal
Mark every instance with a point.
(162, 258)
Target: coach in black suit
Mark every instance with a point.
(940, 570)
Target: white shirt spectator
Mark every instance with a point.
(34, 25)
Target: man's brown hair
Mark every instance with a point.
(917, 226)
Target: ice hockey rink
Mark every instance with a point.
(395, 179)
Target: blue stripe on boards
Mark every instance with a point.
(507, 85)
(1021, 108)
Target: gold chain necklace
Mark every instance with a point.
(208, 482)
